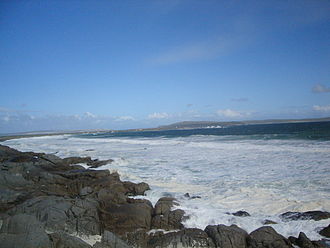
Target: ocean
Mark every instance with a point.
(264, 169)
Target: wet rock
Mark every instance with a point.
(164, 205)
(123, 218)
(110, 240)
(241, 214)
(325, 232)
(58, 213)
(93, 163)
(168, 221)
(63, 240)
(187, 195)
(227, 236)
(164, 217)
(310, 215)
(267, 237)
(269, 222)
(23, 231)
(136, 188)
(190, 237)
(302, 241)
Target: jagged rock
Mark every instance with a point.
(168, 221)
(164, 205)
(136, 189)
(164, 218)
(269, 222)
(227, 236)
(58, 213)
(112, 195)
(241, 213)
(23, 231)
(128, 217)
(187, 195)
(190, 237)
(63, 240)
(325, 232)
(110, 240)
(93, 163)
(267, 237)
(310, 215)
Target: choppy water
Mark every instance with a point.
(265, 172)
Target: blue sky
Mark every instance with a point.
(131, 64)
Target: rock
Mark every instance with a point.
(110, 240)
(93, 163)
(164, 205)
(124, 218)
(227, 236)
(241, 213)
(267, 237)
(187, 195)
(168, 221)
(310, 215)
(269, 222)
(58, 213)
(136, 189)
(23, 231)
(325, 232)
(302, 241)
(190, 237)
(86, 191)
(63, 240)
(164, 218)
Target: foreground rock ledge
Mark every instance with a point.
(46, 201)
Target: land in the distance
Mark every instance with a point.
(175, 126)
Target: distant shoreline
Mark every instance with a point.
(175, 126)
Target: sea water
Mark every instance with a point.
(265, 170)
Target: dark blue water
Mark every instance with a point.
(306, 130)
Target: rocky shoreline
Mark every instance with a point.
(46, 201)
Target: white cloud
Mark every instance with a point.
(229, 113)
(159, 116)
(125, 118)
(321, 108)
(320, 88)
(90, 115)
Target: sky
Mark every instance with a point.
(67, 65)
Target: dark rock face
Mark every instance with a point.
(110, 240)
(227, 236)
(62, 240)
(185, 238)
(24, 231)
(267, 237)
(269, 222)
(325, 232)
(241, 214)
(164, 218)
(310, 215)
(123, 218)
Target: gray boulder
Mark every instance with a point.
(128, 217)
(309, 215)
(227, 236)
(110, 240)
(63, 240)
(267, 237)
(23, 231)
(190, 237)
(325, 232)
(59, 213)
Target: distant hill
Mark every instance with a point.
(217, 124)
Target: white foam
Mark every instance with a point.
(229, 173)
